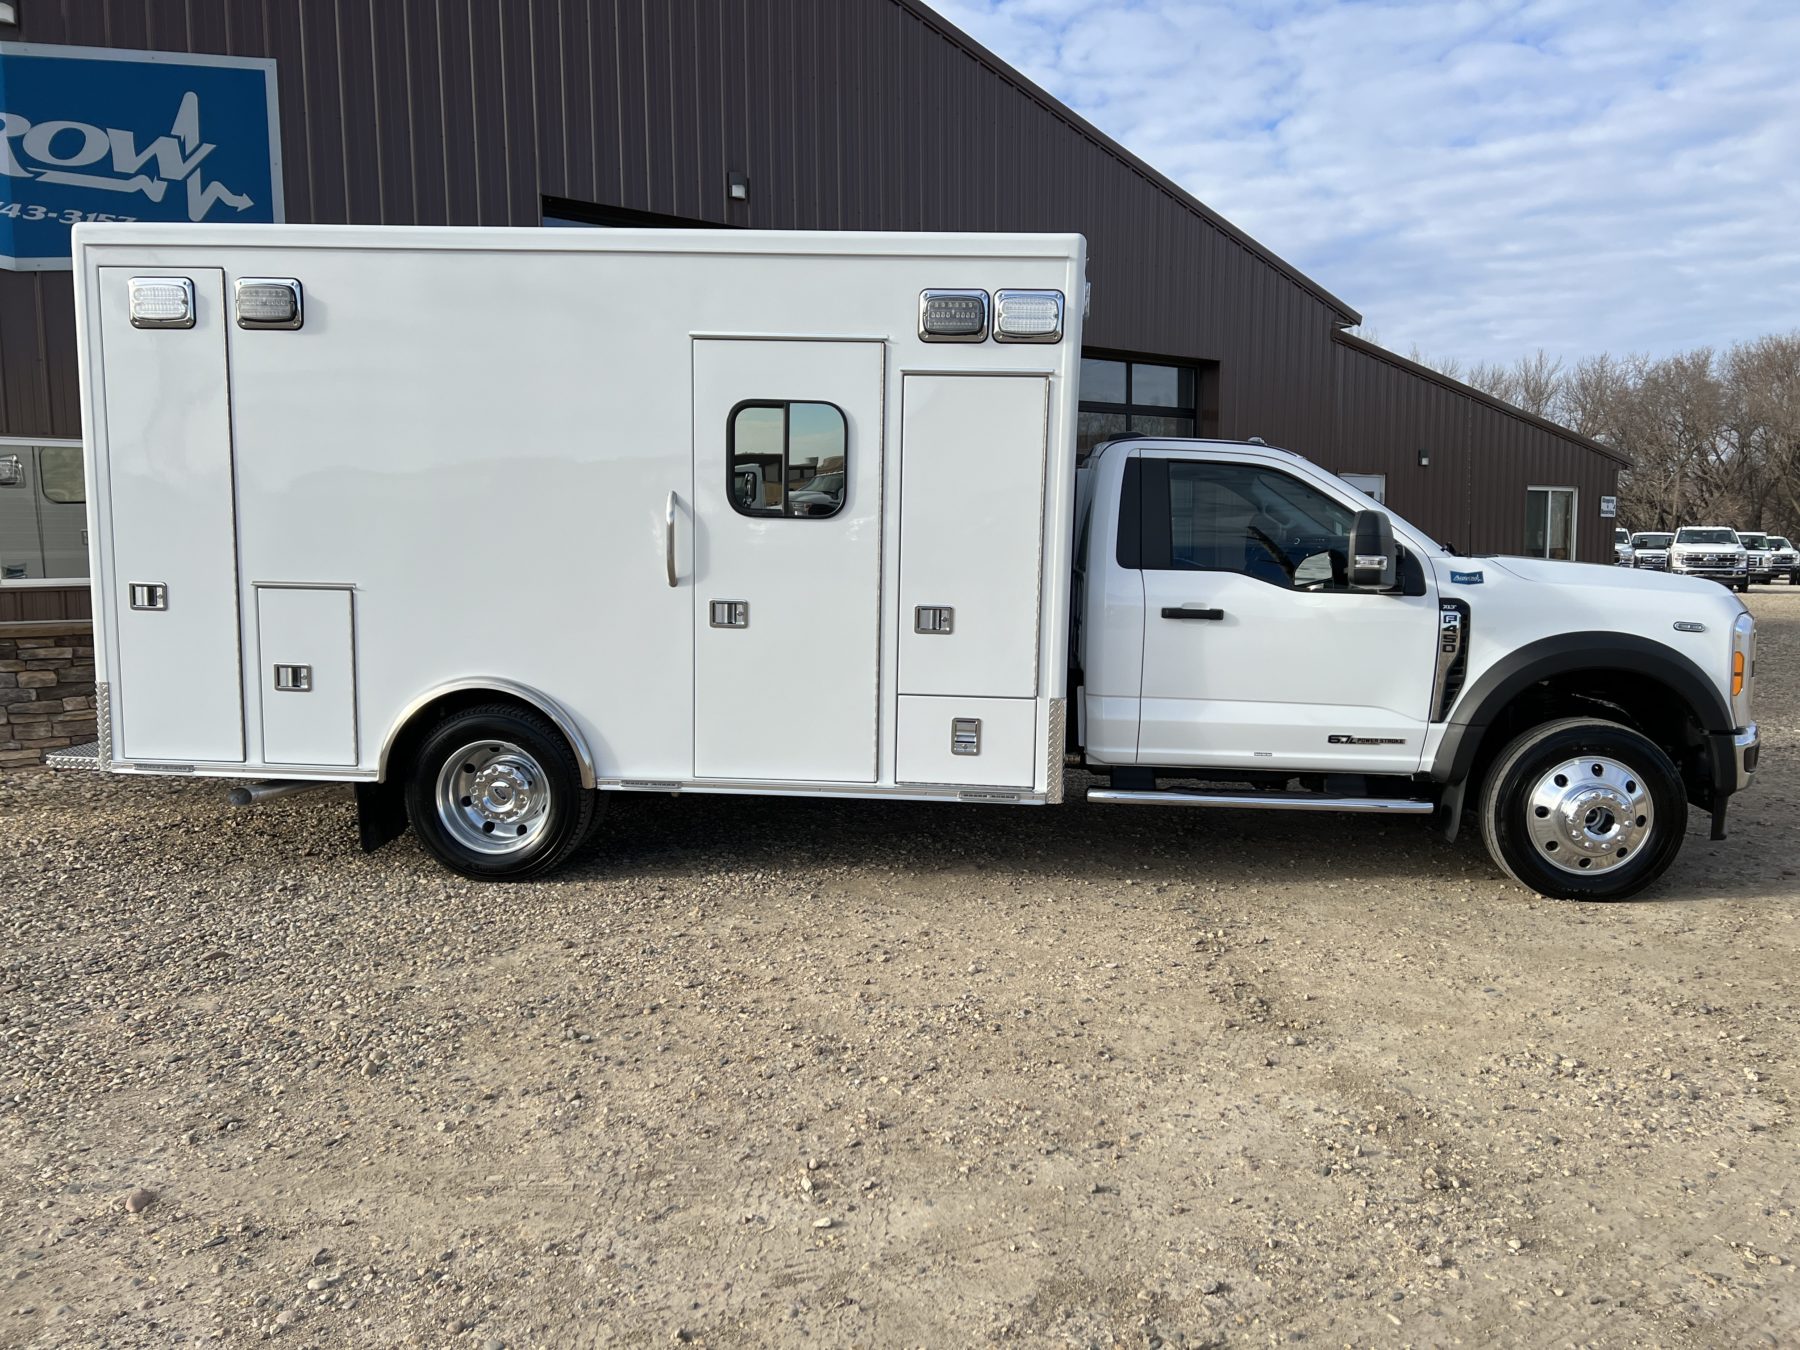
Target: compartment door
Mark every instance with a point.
(306, 652)
(173, 546)
(971, 533)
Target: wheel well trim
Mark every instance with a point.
(524, 693)
(1565, 654)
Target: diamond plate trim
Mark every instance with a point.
(85, 756)
(1053, 760)
(103, 722)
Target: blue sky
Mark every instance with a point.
(1479, 177)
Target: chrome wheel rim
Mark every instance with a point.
(493, 797)
(1590, 815)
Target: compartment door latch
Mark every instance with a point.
(965, 735)
(294, 679)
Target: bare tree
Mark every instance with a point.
(1535, 383)
(1712, 437)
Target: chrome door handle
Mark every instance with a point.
(1175, 612)
(669, 540)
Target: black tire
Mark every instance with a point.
(1592, 812)
(1743, 588)
(518, 754)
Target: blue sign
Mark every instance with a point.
(89, 133)
(1466, 578)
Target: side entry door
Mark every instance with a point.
(1256, 653)
(787, 559)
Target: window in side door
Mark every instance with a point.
(1243, 518)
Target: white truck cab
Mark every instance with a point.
(796, 514)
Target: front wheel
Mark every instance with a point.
(495, 793)
(1583, 810)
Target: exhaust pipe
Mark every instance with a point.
(255, 794)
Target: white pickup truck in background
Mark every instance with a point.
(1784, 559)
(1713, 552)
(1759, 556)
(800, 515)
(1650, 550)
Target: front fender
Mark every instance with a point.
(1489, 694)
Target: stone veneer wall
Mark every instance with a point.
(46, 689)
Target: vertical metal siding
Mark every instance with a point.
(1472, 495)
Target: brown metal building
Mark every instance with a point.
(824, 114)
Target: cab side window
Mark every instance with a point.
(786, 459)
(1259, 522)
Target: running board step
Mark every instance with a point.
(1266, 801)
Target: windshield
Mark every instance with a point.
(1753, 540)
(1621, 537)
(1651, 540)
(1701, 536)
(1779, 541)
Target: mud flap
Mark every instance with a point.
(1718, 817)
(1450, 810)
(380, 814)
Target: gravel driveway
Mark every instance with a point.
(845, 1073)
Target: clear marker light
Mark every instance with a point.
(161, 302)
(1028, 316)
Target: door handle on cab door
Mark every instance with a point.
(1184, 612)
(669, 540)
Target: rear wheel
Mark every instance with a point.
(1583, 810)
(495, 794)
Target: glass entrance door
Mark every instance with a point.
(1550, 522)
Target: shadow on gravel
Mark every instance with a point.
(650, 835)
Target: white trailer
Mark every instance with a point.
(491, 523)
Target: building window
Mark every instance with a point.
(1374, 484)
(786, 459)
(60, 477)
(1550, 522)
(43, 516)
(1147, 397)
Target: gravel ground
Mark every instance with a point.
(773, 1072)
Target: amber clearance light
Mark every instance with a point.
(1737, 674)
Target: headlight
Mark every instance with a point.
(1743, 667)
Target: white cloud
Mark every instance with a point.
(1479, 177)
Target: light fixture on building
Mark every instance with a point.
(9, 14)
(1424, 458)
(738, 186)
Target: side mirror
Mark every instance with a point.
(1374, 561)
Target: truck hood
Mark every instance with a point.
(1556, 573)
